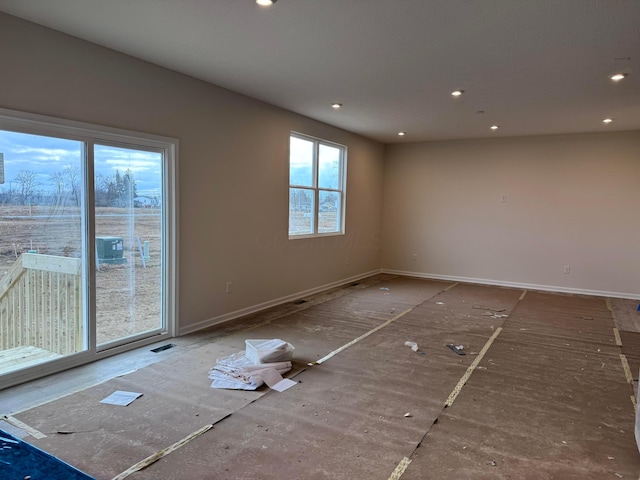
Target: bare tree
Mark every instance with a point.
(27, 184)
(57, 178)
(117, 190)
(105, 190)
(73, 179)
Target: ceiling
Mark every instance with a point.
(532, 66)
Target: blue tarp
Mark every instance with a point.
(20, 460)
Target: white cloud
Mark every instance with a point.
(46, 154)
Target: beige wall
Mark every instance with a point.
(571, 200)
(233, 168)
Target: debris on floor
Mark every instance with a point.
(237, 372)
(121, 398)
(384, 288)
(413, 345)
(493, 314)
(263, 361)
(408, 414)
(457, 348)
(480, 307)
(268, 351)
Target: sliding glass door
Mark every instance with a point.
(128, 242)
(86, 255)
(41, 276)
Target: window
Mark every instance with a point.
(317, 171)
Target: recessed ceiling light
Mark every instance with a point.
(495, 127)
(457, 93)
(402, 134)
(266, 3)
(336, 105)
(618, 76)
(607, 120)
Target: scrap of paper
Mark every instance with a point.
(121, 398)
(283, 385)
(275, 381)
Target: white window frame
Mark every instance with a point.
(341, 190)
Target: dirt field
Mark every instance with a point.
(128, 295)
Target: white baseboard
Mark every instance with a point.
(526, 286)
(271, 303)
(451, 278)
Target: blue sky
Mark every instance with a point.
(301, 162)
(48, 155)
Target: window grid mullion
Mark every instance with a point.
(316, 194)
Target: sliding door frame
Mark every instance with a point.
(90, 135)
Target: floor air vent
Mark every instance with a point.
(162, 348)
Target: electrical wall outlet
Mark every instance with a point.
(567, 269)
(229, 287)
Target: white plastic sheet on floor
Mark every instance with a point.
(238, 372)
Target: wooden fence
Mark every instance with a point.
(41, 304)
